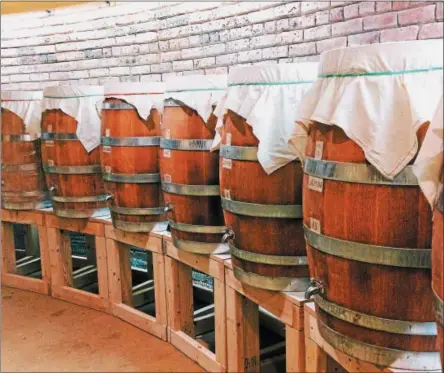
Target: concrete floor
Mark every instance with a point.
(43, 334)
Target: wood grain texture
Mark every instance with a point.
(191, 168)
(70, 153)
(248, 182)
(392, 216)
(15, 153)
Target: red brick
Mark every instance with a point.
(351, 11)
(326, 45)
(366, 7)
(366, 38)
(400, 34)
(417, 15)
(398, 5)
(336, 14)
(381, 21)
(383, 6)
(439, 11)
(348, 27)
(431, 31)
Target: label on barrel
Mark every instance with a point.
(108, 169)
(319, 149)
(168, 133)
(227, 163)
(50, 162)
(167, 153)
(167, 178)
(107, 132)
(315, 225)
(106, 148)
(315, 183)
(49, 142)
(227, 194)
(228, 139)
(49, 128)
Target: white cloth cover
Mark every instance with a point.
(82, 103)
(26, 105)
(269, 98)
(143, 96)
(380, 95)
(430, 161)
(199, 92)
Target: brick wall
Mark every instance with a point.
(108, 41)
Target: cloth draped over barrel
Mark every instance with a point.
(429, 164)
(379, 95)
(143, 96)
(83, 104)
(27, 106)
(198, 92)
(269, 98)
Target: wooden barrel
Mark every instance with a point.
(368, 244)
(190, 177)
(130, 147)
(23, 182)
(438, 268)
(73, 174)
(263, 211)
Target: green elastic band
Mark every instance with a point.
(380, 73)
(275, 83)
(70, 96)
(198, 89)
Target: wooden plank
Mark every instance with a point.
(160, 288)
(80, 297)
(65, 258)
(202, 263)
(26, 283)
(102, 266)
(179, 296)
(242, 318)
(275, 302)
(150, 242)
(85, 226)
(24, 217)
(295, 350)
(315, 357)
(126, 281)
(220, 324)
(140, 320)
(44, 255)
(114, 281)
(8, 249)
(195, 351)
(54, 244)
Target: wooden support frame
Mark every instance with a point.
(242, 306)
(178, 266)
(120, 283)
(61, 261)
(10, 277)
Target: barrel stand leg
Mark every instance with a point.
(315, 357)
(8, 250)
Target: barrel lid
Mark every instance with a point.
(119, 89)
(21, 95)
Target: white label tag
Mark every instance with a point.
(50, 162)
(227, 194)
(108, 169)
(319, 149)
(168, 133)
(315, 225)
(49, 143)
(106, 149)
(227, 163)
(49, 128)
(167, 153)
(167, 178)
(315, 183)
(228, 139)
(107, 132)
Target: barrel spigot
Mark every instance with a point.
(229, 235)
(52, 189)
(108, 199)
(169, 207)
(316, 287)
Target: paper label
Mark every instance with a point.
(49, 128)
(227, 194)
(49, 142)
(106, 149)
(107, 132)
(168, 133)
(227, 163)
(167, 153)
(315, 183)
(315, 225)
(50, 162)
(108, 169)
(319, 149)
(228, 139)
(167, 178)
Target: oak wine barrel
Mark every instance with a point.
(130, 147)
(369, 235)
(73, 172)
(190, 172)
(23, 181)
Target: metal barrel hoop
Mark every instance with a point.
(130, 141)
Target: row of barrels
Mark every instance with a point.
(345, 210)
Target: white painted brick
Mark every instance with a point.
(383, 6)
(107, 52)
(125, 51)
(320, 32)
(30, 86)
(19, 78)
(275, 52)
(146, 37)
(39, 77)
(270, 26)
(164, 45)
(166, 76)
(400, 34)
(263, 41)
(108, 80)
(282, 25)
(69, 56)
(90, 81)
(170, 56)
(352, 26)
(151, 78)
(312, 6)
(351, 11)
(4, 78)
(207, 51)
(252, 55)
(177, 44)
(127, 39)
(149, 48)
(265, 63)
(182, 65)
(226, 59)
(381, 21)
(162, 67)
(122, 70)
(431, 31)
(95, 73)
(240, 45)
(302, 21)
(193, 72)
(323, 17)
(326, 45)
(290, 37)
(65, 75)
(217, 71)
(415, 16)
(148, 59)
(129, 78)
(202, 63)
(302, 49)
(11, 87)
(366, 8)
(139, 70)
(366, 38)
